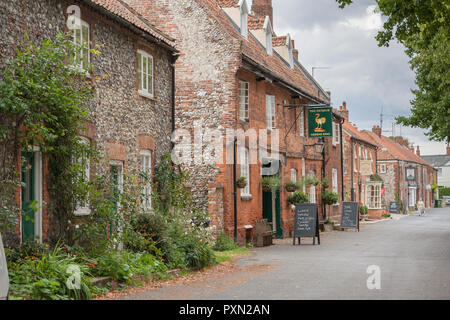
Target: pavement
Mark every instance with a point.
(406, 257)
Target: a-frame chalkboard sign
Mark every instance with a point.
(306, 222)
(350, 215)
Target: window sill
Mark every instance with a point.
(82, 212)
(146, 95)
(246, 197)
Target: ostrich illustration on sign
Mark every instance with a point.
(320, 122)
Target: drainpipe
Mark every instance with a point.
(324, 214)
(174, 58)
(235, 192)
(342, 159)
(352, 173)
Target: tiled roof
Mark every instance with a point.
(391, 150)
(228, 3)
(279, 41)
(438, 160)
(255, 23)
(121, 9)
(355, 133)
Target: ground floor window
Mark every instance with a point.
(374, 196)
(312, 194)
(412, 197)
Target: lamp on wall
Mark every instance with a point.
(318, 146)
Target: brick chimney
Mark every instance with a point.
(377, 130)
(418, 151)
(262, 8)
(448, 149)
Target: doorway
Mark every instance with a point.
(31, 196)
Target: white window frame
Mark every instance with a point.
(373, 198)
(383, 168)
(146, 168)
(85, 210)
(270, 112)
(336, 138)
(312, 194)
(245, 170)
(294, 175)
(301, 120)
(144, 75)
(244, 100)
(439, 172)
(334, 182)
(81, 64)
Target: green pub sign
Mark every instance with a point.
(320, 122)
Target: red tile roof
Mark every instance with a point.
(228, 3)
(255, 23)
(124, 11)
(355, 133)
(391, 150)
(279, 41)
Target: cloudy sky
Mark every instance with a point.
(359, 72)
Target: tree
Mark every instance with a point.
(422, 27)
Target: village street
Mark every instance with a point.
(413, 254)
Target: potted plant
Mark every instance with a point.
(241, 182)
(325, 183)
(291, 186)
(329, 197)
(270, 184)
(364, 211)
(328, 224)
(298, 197)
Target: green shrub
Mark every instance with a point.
(329, 197)
(224, 243)
(364, 210)
(298, 197)
(271, 183)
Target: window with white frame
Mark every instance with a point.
(334, 182)
(382, 168)
(294, 175)
(270, 112)
(243, 100)
(244, 18)
(374, 196)
(81, 39)
(439, 172)
(82, 206)
(355, 160)
(312, 194)
(335, 133)
(245, 170)
(146, 170)
(145, 74)
(301, 120)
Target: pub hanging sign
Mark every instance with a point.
(320, 122)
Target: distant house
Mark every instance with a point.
(407, 177)
(442, 164)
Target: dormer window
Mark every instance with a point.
(244, 18)
(291, 51)
(269, 32)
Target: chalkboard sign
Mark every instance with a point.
(306, 222)
(393, 207)
(350, 215)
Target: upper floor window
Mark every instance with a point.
(334, 182)
(146, 170)
(243, 100)
(382, 168)
(301, 120)
(244, 18)
(269, 31)
(335, 133)
(145, 74)
(294, 175)
(81, 39)
(270, 112)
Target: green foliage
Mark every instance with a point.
(291, 186)
(328, 221)
(270, 183)
(363, 210)
(241, 182)
(329, 197)
(224, 243)
(422, 27)
(311, 181)
(443, 191)
(375, 177)
(298, 197)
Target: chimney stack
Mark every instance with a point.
(377, 130)
(418, 151)
(263, 8)
(343, 111)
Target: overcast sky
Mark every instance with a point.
(364, 75)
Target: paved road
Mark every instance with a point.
(413, 254)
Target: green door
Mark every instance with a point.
(267, 211)
(28, 197)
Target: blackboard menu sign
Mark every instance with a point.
(306, 223)
(350, 215)
(393, 207)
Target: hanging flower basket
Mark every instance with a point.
(291, 186)
(241, 182)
